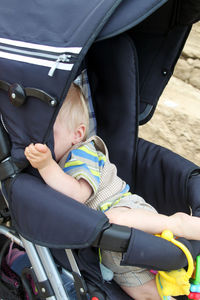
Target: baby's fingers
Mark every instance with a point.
(27, 151)
(29, 155)
(41, 147)
(32, 149)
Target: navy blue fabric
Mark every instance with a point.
(193, 193)
(162, 178)
(189, 11)
(163, 50)
(51, 219)
(159, 38)
(128, 14)
(113, 76)
(69, 23)
(88, 263)
(31, 121)
(38, 23)
(41, 214)
(149, 251)
(159, 41)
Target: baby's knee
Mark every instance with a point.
(181, 218)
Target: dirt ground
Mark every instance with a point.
(176, 122)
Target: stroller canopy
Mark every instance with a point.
(54, 38)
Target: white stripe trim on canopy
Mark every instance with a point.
(36, 61)
(75, 50)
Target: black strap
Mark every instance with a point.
(18, 94)
(8, 169)
(114, 238)
(4, 85)
(32, 92)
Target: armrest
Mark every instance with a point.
(145, 250)
(149, 251)
(50, 217)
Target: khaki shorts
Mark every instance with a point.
(127, 275)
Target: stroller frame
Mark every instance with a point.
(42, 264)
(49, 282)
(48, 279)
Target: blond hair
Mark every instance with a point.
(74, 110)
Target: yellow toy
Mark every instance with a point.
(175, 283)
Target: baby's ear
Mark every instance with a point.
(79, 133)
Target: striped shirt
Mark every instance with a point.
(90, 161)
(87, 163)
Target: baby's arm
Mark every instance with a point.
(40, 157)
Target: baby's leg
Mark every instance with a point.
(148, 291)
(181, 224)
(138, 214)
(138, 283)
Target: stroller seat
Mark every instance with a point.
(127, 73)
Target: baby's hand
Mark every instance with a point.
(39, 155)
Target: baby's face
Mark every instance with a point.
(63, 138)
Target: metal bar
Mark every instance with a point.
(52, 273)
(72, 261)
(11, 235)
(36, 263)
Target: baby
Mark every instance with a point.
(82, 171)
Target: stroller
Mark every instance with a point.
(129, 49)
